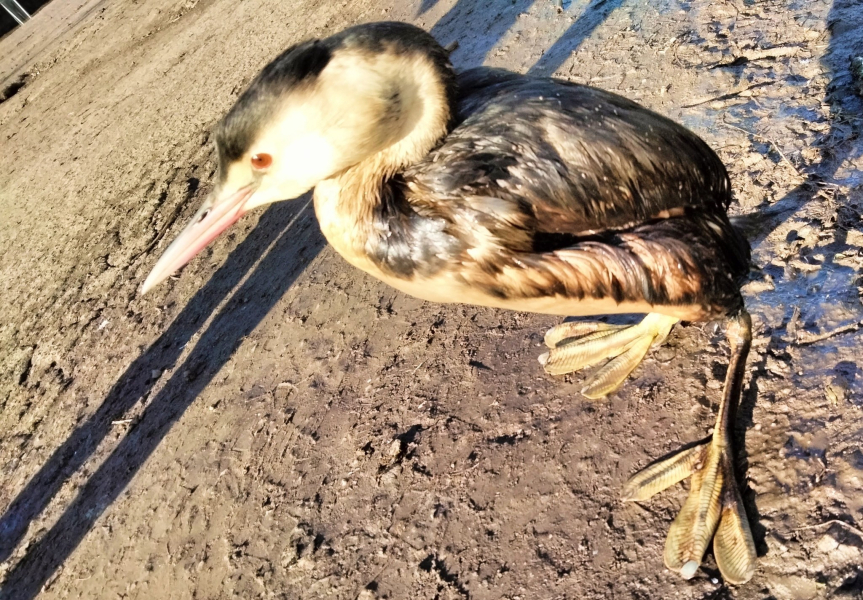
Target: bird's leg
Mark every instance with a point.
(581, 344)
(714, 508)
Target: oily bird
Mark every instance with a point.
(492, 188)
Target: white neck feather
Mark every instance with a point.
(344, 203)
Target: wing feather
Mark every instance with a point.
(576, 159)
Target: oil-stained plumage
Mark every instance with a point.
(497, 189)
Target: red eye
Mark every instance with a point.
(261, 161)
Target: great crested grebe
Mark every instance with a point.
(501, 190)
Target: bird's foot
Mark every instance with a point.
(713, 509)
(579, 344)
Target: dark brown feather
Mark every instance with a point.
(550, 189)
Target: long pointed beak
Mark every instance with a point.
(215, 216)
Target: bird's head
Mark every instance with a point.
(318, 109)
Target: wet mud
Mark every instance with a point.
(273, 423)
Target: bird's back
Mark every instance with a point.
(583, 159)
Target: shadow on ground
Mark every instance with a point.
(294, 247)
(592, 17)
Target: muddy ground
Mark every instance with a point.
(275, 424)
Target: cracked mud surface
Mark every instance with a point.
(274, 423)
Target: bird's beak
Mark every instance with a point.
(219, 212)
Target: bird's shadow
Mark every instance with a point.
(482, 42)
(291, 249)
(450, 27)
(593, 15)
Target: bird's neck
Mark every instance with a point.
(346, 203)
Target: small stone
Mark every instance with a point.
(857, 74)
(665, 354)
(827, 544)
(394, 449)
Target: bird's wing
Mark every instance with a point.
(563, 159)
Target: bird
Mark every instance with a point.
(492, 188)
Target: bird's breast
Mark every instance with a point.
(341, 228)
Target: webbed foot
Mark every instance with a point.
(579, 344)
(714, 509)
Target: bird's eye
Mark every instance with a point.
(261, 161)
